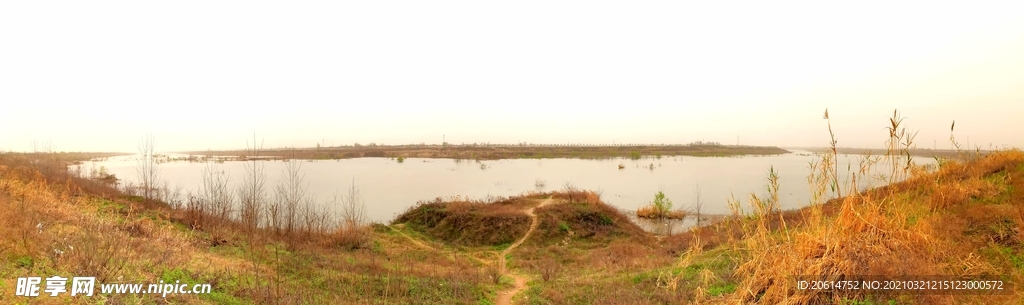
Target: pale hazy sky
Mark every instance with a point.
(98, 75)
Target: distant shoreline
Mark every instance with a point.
(916, 152)
(495, 152)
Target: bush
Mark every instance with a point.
(350, 238)
(661, 203)
(661, 207)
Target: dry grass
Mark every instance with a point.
(56, 228)
(652, 212)
(61, 224)
(921, 226)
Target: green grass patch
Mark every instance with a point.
(24, 262)
(721, 288)
(111, 206)
(506, 281)
(532, 295)
(484, 301)
(176, 274)
(180, 226)
(1001, 182)
(377, 247)
(501, 247)
(647, 276)
(138, 199)
(229, 251)
(1004, 256)
(217, 297)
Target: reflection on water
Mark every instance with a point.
(662, 226)
(390, 187)
(672, 226)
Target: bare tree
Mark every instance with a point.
(147, 169)
(173, 197)
(214, 195)
(698, 204)
(252, 192)
(353, 210)
(40, 147)
(274, 211)
(252, 200)
(47, 160)
(283, 213)
(315, 219)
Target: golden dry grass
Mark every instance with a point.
(52, 228)
(652, 212)
(927, 225)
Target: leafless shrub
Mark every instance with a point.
(147, 168)
(350, 239)
(129, 188)
(350, 230)
(274, 221)
(175, 199)
(549, 268)
(571, 191)
(316, 220)
(195, 212)
(47, 161)
(101, 251)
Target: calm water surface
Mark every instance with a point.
(389, 187)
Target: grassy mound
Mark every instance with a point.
(584, 217)
(469, 223)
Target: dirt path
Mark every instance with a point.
(413, 240)
(519, 284)
(427, 247)
(505, 296)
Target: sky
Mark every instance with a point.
(198, 75)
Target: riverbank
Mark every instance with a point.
(916, 152)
